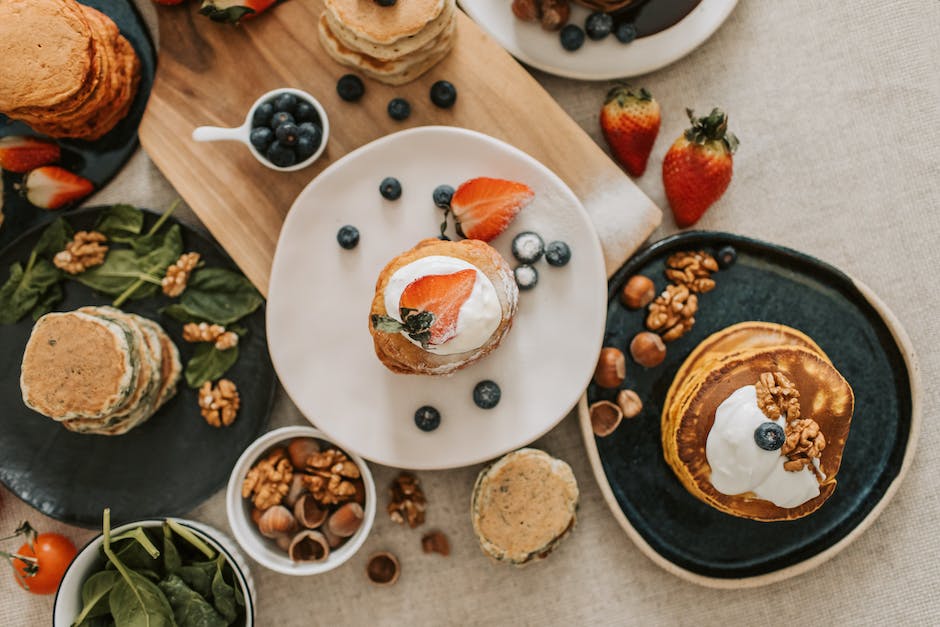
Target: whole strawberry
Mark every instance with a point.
(697, 168)
(630, 122)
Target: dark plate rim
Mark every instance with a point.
(802, 260)
(184, 506)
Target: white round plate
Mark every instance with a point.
(320, 297)
(596, 60)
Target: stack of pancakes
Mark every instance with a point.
(395, 44)
(68, 71)
(733, 358)
(98, 370)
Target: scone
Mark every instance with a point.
(441, 306)
(756, 421)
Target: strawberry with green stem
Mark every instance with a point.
(697, 169)
(630, 121)
(233, 11)
(429, 307)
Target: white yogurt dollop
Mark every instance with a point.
(739, 465)
(479, 316)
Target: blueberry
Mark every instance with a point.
(427, 418)
(726, 257)
(287, 133)
(625, 32)
(304, 112)
(486, 394)
(442, 195)
(280, 155)
(281, 117)
(769, 436)
(348, 237)
(262, 114)
(311, 131)
(557, 254)
(305, 147)
(528, 247)
(285, 103)
(350, 87)
(443, 94)
(526, 277)
(399, 109)
(390, 188)
(598, 25)
(261, 138)
(572, 37)
(385, 3)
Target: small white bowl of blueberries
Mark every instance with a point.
(286, 129)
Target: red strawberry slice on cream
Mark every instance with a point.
(442, 295)
(484, 207)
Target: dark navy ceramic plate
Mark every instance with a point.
(165, 467)
(99, 160)
(775, 284)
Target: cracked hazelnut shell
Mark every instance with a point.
(308, 512)
(383, 569)
(638, 292)
(647, 349)
(308, 546)
(611, 368)
(629, 403)
(605, 418)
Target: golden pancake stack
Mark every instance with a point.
(730, 359)
(394, 44)
(68, 71)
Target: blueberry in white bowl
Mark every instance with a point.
(286, 129)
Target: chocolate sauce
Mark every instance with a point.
(653, 16)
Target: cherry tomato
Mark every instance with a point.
(54, 552)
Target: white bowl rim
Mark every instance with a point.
(193, 525)
(238, 523)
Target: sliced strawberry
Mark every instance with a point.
(443, 295)
(232, 11)
(51, 187)
(484, 207)
(19, 153)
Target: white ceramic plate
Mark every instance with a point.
(597, 60)
(320, 296)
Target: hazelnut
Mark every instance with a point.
(605, 418)
(331, 538)
(308, 546)
(346, 520)
(435, 542)
(300, 449)
(256, 515)
(297, 488)
(638, 292)
(629, 403)
(308, 512)
(276, 520)
(611, 368)
(383, 569)
(283, 541)
(647, 349)
(555, 14)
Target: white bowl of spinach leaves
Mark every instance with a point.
(156, 572)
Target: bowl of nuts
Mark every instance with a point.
(298, 504)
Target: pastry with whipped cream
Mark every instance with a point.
(441, 306)
(756, 421)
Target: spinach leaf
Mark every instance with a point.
(134, 555)
(190, 609)
(157, 238)
(194, 540)
(171, 556)
(26, 287)
(220, 296)
(209, 363)
(95, 593)
(53, 239)
(135, 601)
(121, 269)
(161, 250)
(223, 594)
(49, 299)
(198, 576)
(239, 595)
(121, 223)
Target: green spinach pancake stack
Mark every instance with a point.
(98, 369)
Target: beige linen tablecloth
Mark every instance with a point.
(837, 105)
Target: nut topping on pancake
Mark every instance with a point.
(777, 396)
(805, 442)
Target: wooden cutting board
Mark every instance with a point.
(210, 74)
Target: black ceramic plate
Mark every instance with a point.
(99, 160)
(775, 284)
(164, 467)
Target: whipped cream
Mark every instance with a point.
(479, 316)
(739, 465)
